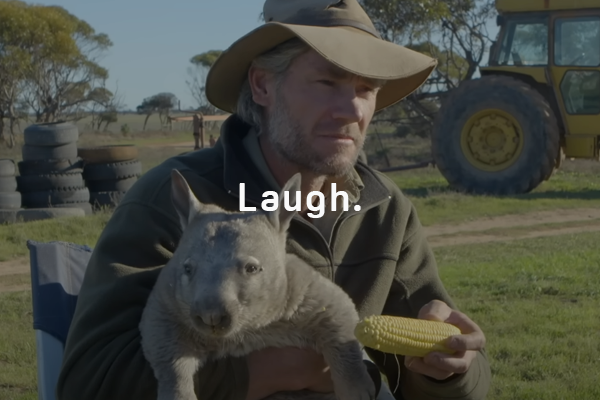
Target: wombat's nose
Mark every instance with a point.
(213, 318)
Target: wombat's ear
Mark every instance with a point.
(185, 202)
(282, 217)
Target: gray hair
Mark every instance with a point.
(275, 61)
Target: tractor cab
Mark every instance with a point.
(555, 43)
(536, 102)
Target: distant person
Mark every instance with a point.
(212, 141)
(318, 72)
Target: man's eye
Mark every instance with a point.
(367, 89)
(326, 82)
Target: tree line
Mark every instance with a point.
(50, 62)
(452, 31)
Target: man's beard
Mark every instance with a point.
(288, 139)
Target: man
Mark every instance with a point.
(303, 89)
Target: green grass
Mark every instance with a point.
(15, 280)
(437, 204)
(18, 376)
(82, 230)
(536, 301)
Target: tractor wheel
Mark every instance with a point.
(495, 135)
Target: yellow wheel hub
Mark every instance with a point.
(492, 140)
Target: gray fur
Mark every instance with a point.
(205, 304)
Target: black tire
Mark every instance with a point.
(38, 183)
(51, 134)
(111, 199)
(7, 168)
(51, 198)
(49, 152)
(539, 129)
(111, 185)
(10, 200)
(60, 166)
(119, 170)
(8, 184)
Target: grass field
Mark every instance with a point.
(436, 203)
(84, 230)
(537, 302)
(536, 299)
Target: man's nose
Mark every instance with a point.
(347, 107)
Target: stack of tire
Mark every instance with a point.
(109, 172)
(10, 198)
(50, 175)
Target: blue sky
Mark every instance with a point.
(153, 40)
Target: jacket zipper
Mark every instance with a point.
(342, 218)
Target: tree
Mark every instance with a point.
(451, 31)
(61, 85)
(161, 103)
(465, 36)
(405, 21)
(48, 63)
(201, 63)
(18, 34)
(105, 108)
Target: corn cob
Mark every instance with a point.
(405, 336)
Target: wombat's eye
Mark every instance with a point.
(187, 267)
(252, 268)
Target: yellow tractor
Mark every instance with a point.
(537, 102)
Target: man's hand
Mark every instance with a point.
(282, 369)
(440, 365)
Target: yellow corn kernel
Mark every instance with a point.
(404, 336)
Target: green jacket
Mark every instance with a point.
(379, 255)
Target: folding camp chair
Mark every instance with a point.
(57, 270)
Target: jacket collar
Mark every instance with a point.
(239, 168)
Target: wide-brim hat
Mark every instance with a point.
(340, 31)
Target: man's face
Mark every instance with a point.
(319, 115)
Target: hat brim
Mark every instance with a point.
(348, 48)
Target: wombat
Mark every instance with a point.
(231, 288)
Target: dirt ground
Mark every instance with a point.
(516, 227)
(496, 229)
